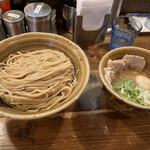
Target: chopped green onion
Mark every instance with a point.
(126, 90)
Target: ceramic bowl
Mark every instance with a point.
(36, 41)
(117, 54)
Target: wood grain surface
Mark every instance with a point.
(88, 124)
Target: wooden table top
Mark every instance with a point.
(88, 124)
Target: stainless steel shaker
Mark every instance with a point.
(2, 33)
(39, 18)
(68, 17)
(14, 22)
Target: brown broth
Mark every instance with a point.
(129, 75)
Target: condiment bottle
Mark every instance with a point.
(5, 5)
(14, 22)
(38, 17)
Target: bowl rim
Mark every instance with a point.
(100, 70)
(65, 105)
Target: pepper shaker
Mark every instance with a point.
(14, 22)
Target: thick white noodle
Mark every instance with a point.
(36, 80)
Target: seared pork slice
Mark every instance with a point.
(118, 65)
(109, 74)
(114, 66)
(135, 62)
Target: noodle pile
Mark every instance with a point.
(36, 80)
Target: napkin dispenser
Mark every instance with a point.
(83, 34)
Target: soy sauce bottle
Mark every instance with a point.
(5, 5)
